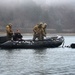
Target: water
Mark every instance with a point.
(50, 61)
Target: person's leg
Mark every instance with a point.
(34, 37)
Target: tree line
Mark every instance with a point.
(58, 18)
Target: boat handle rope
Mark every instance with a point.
(63, 42)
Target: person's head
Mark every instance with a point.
(40, 25)
(7, 26)
(10, 25)
(18, 31)
(45, 25)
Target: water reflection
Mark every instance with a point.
(40, 51)
(39, 55)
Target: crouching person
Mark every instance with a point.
(17, 36)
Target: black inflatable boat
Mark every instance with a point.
(51, 42)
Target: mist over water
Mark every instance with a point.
(24, 14)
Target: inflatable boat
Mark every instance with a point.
(50, 42)
(72, 45)
(3, 39)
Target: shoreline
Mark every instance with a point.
(48, 34)
(52, 34)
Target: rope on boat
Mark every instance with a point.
(63, 42)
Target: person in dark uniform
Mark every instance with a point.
(17, 36)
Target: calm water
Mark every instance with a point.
(50, 61)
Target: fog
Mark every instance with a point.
(41, 2)
(24, 14)
(12, 4)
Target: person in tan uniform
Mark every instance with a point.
(38, 32)
(41, 32)
(44, 26)
(9, 31)
(35, 30)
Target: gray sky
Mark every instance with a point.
(50, 2)
(42, 2)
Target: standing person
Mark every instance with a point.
(44, 26)
(38, 32)
(9, 31)
(35, 30)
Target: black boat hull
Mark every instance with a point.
(72, 45)
(3, 39)
(30, 44)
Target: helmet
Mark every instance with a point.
(7, 26)
(41, 23)
(10, 24)
(45, 23)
